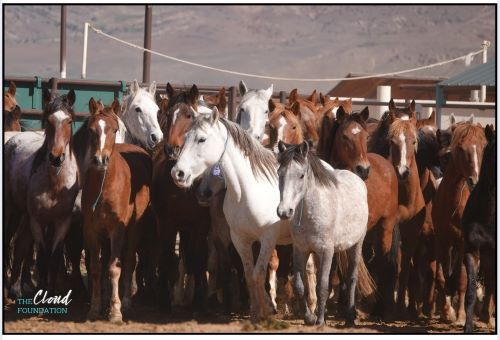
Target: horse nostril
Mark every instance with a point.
(62, 157)
(105, 160)
(154, 138)
(96, 160)
(359, 169)
(290, 212)
(180, 174)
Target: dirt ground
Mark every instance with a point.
(149, 320)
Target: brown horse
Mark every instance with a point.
(11, 111)
(219, 100)
(309, 116)
(403, 139)
(349, 152)
(114, 201)
(460, 176)
(284, 125)
(177, 210)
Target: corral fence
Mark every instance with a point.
(29, 96)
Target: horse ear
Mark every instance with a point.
(471, 119)
(12, 88)
(92, 106)
(222, 100)
(194, 94)
(341, 114)
(321, 98)
(452, 119)
(365, 114)
(243, 88)
(158, 99)
(215, 115)
(392, 106)
(152, 88)
(116, 106)
(16, 114)
(269, 91)
(170, 91)
(412, 106)
(296, 109)
(47, 97)
(271, 106)
(391, 117)
(163, 105)
(71, 97)
(347, 105)
(134, 87)
(281, 146)
(432, 117)
(489, 133)
(292, 97)
(100, 105)
(313, 97)
(304, 148)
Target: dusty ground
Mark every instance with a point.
(148, 320)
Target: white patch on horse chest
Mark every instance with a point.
(402, 161)
(355, 130)
(60, 115)
(474, 157)
(102, 137)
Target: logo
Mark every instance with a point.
(43, 304)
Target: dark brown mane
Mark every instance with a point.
(378, 142)
(323, 176)
(262, 160)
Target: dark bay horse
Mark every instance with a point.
(479, 229)
(114, 202)
(11, 111)
(460, 176)
(349, 151)
(177, 210)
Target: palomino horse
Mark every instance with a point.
(177, 210)
(43, 180)
(460, 177)
(321, 204)
(253, 110)
(11, 111)
(114, 202)
(402, 137)
(349, 152)
(479, 228)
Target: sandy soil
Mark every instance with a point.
(149, 320)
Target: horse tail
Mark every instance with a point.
(366, 285)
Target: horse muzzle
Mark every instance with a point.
(362, 171)
(471, 183)
(172, 151)
(181, 179)
(101, 162)
(56, 161)
(403, 173)
(284, 213)
(204, 197)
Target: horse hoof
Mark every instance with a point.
(468, 328)
(115, 318)
(320, 323)
(449, 315)
(310, 320)
(349, 323)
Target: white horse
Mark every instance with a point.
(329, 210)
(251, 198)
(253, 110)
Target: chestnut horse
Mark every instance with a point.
(349, 152)
(219, 100)
(177, 210)
(114, 202)
(309, 116)
(479, 228)
(460, 177)
(11, 111)
(284, 125)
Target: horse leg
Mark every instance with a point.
(273, 280)
(199, 255)
(56, 259)
(488, 262)
(470, 296)
(311, 281)
(95, 274)
(168, 264)
(299, 266)
(354, 257)
(431, 276)
(74, 246)
(22, 245)
(462, 287)
(386, 266)
(117, 243)
(267, 245)
(243, 246)
(324, 266)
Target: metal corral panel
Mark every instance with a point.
(483, 74)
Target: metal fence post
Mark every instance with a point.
(146, 63)
(282, 97)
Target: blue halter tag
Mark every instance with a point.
(216, 170)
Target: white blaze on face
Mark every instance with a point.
(281, 128)
(102, 137)
(474, 158)
(334, 111)
(402, 160)
(355, 130)
(405, 117)
(60, 115)
(176, 112)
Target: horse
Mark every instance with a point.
(284, 125)
(218, 100)
(177, 210)
(42, 183)
(479, 229)
(309, 116)
(253, 110)
(403, 142)
(115, 200)
(11, 111)
(349, 152)
(460, 177)
(317, 202)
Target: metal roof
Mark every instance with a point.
(483, 74)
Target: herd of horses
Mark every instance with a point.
(164, 199)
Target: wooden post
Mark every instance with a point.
(439, 103)
(62, 50)
(232, 103)
(282, 97)
(146, 63)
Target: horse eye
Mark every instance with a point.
(294, 127)
(188, 116)
(302, 176)
(414, 142)
(116, 130)
(201, 140)
(138, 109)
(267, 111)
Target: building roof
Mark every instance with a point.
(483, 74)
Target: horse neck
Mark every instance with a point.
(411, 199)
(11, 124)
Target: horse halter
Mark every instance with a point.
(217, 170)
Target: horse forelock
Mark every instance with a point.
(465, 131)
(400, 126)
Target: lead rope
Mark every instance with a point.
(100, 191)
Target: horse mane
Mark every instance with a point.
(378, 142)
(466, 130)
(262, 160)
(352, 117)
(400, 126)
(323, 176)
